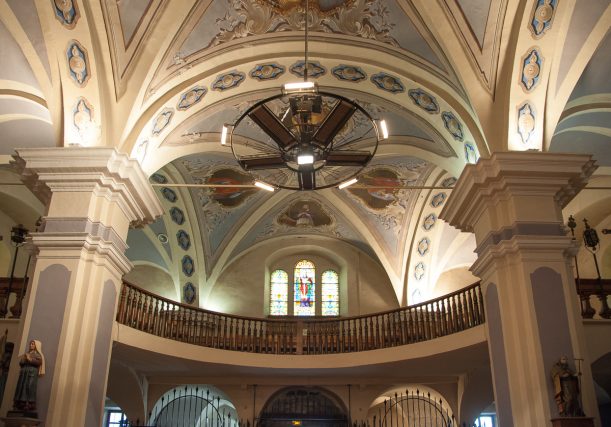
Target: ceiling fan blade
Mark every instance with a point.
(262, 162)
(334, 122)
(348, 158)
(306, 177)
(272, 126)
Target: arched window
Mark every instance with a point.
(279, 293)
(305, 289)
(330, 293)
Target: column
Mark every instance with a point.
(92, 196)
(512, 203)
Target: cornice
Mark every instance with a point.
(508, 174)
(100, 169)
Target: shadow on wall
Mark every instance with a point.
(154, 280)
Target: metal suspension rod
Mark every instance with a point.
(305, 62)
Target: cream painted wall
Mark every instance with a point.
(153, 279)
(452, 280)
(243, 287)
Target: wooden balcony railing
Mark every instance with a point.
(595, 291)
(159, 316)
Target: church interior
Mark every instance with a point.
(306, 212)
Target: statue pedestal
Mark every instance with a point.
(573, 422)
(21, 419)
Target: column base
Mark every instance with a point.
(573, 422)
(21, 419)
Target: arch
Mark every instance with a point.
(414, 405)
(312, 406)
(193, 405)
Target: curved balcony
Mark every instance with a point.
(455, 312)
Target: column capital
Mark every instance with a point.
(97, 169)
(514, 187)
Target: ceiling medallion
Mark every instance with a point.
(304, 138)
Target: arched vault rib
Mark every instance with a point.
(555, 108)
(412, 77)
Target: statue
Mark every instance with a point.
(566, 389)
(32, 365)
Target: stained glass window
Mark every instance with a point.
(330, 293)
(279, 293)
(305, 289)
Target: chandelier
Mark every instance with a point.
(304, 138)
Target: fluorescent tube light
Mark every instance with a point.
(384, 129)
(264, 186)
(348, 183)
(224, 133)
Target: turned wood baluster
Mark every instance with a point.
(454, 314)
(464, 311)
(476, 310)
(472, 316)
(121, 306)
(369, 335)
(132, 308)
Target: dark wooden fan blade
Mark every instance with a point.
(262, 162)
(348, 158)
(306, 177)
(272, 126)
(334, 122)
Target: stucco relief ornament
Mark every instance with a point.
(424, 100)
(438, 199)
(162, 120)
(543, 16)
(267, 71)
(228, 80)
(83, 115)
(429, 221)
(184, 241)
(66, 12)
(470, 153)
(531, 69)
(449, 182)
(159, 178)
(361, 18)
(349, 73)
(314, 69)
(388, 83)
(169, 194)
(189, 293)
(191, 97)
(78, 64)
(177, 215)
(419, 271)
(423, 246)
(453, 126)
(188, 267)
(526, 122)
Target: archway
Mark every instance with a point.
(303, 407)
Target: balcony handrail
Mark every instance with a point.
(451, 313)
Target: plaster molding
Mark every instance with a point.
(506, 175)
(48, 170)
(522, 250)
(81, 246)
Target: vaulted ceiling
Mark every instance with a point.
(455, 79)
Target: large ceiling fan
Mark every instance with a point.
(304, 138)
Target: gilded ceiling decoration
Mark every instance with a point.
(360, 18)
(526, 122)
(542, 17)
(349, 73)
(66, 12)
(531, 69)
(78, 63)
